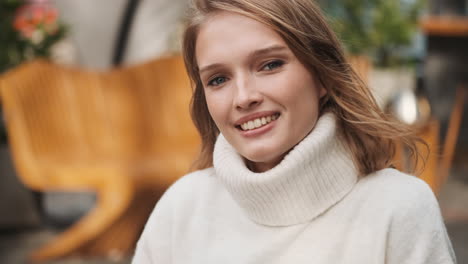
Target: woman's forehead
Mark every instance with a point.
(226, 35)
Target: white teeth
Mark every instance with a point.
(250, 125)
(256, 123)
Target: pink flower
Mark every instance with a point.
(36, 15)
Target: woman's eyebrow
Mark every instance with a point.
(209, 67)
(254, 54)
(270, 49)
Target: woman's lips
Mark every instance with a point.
(258, 122)
(258, 131)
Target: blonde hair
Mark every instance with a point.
(370, 134)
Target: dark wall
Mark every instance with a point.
(18, 208)
(448, 7)
(446, 66)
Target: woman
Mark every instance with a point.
(295, 154)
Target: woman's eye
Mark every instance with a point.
(272, 65)
(216, 81)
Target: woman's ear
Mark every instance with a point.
(322, 91)
(320, 85)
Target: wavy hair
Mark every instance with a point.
(370, 134)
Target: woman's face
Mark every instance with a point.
(261, 97)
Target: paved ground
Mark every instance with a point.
(454, 204)
(458, 232)
(15, 246)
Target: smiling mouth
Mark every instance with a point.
(258, 122)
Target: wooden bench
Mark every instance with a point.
(125, 134)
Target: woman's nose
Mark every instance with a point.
(247, 94)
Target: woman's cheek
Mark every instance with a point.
(218, 105)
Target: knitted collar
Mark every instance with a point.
(316, 174)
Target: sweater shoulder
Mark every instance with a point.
(415, 229)
(192, 183)
(185, 193)
(397, 190)
(198, 177)
(173, 208)
(391, 182)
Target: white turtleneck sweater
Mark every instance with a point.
(310, 208)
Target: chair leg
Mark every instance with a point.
(114, 198)
(452, 134)
(119, 239)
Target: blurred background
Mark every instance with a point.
(95, 125)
